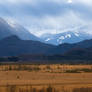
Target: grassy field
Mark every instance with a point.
(45, 78)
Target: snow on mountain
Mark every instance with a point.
(9, 27)
(65, 37)
(5, 29)
(48, 39)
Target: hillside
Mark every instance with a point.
(8, 29)
(13, 45)
(27, 50)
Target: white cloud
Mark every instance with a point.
(48, 16)
(70, 1)
(89, 2)
(17, 2)
(56, 24)
(85, 2)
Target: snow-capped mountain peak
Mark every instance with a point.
(76, 34)
(62, 38)
(68, 36)
(65, 37)
(47, 39)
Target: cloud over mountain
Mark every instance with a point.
(42, 16)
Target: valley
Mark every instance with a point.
(45, 46)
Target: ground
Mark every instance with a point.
(47, 75)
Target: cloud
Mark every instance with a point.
(86, 2)
(15, 1)
(41, 16)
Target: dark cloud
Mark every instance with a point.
(39, 10)
(31, 13)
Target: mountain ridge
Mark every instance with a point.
(7, 30)
(14, 43)
(65, 37)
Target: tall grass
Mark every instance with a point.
(82, 90)
(15, 88)
(47, 68)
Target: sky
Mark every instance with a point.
(49, 16)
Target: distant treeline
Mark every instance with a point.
(50, 59)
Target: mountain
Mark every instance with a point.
(64, 48)
(79, 54)
(66, 37)
(8, 28)
(73, 56)
(13, 46)
(28, 50)
(5, 29)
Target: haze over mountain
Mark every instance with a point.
(49, 16)
(8, 29)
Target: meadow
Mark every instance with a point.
(45, 78)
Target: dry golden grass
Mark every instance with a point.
(41, 76)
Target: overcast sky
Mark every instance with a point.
(49, 16)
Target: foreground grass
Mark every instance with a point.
(47, 89)
(54, 68)
(46, 74)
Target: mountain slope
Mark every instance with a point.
(13, 46)
(5, 29)
(8, 29)
(28, 50)
(79, 54)
(66, 37)
(63, 48)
